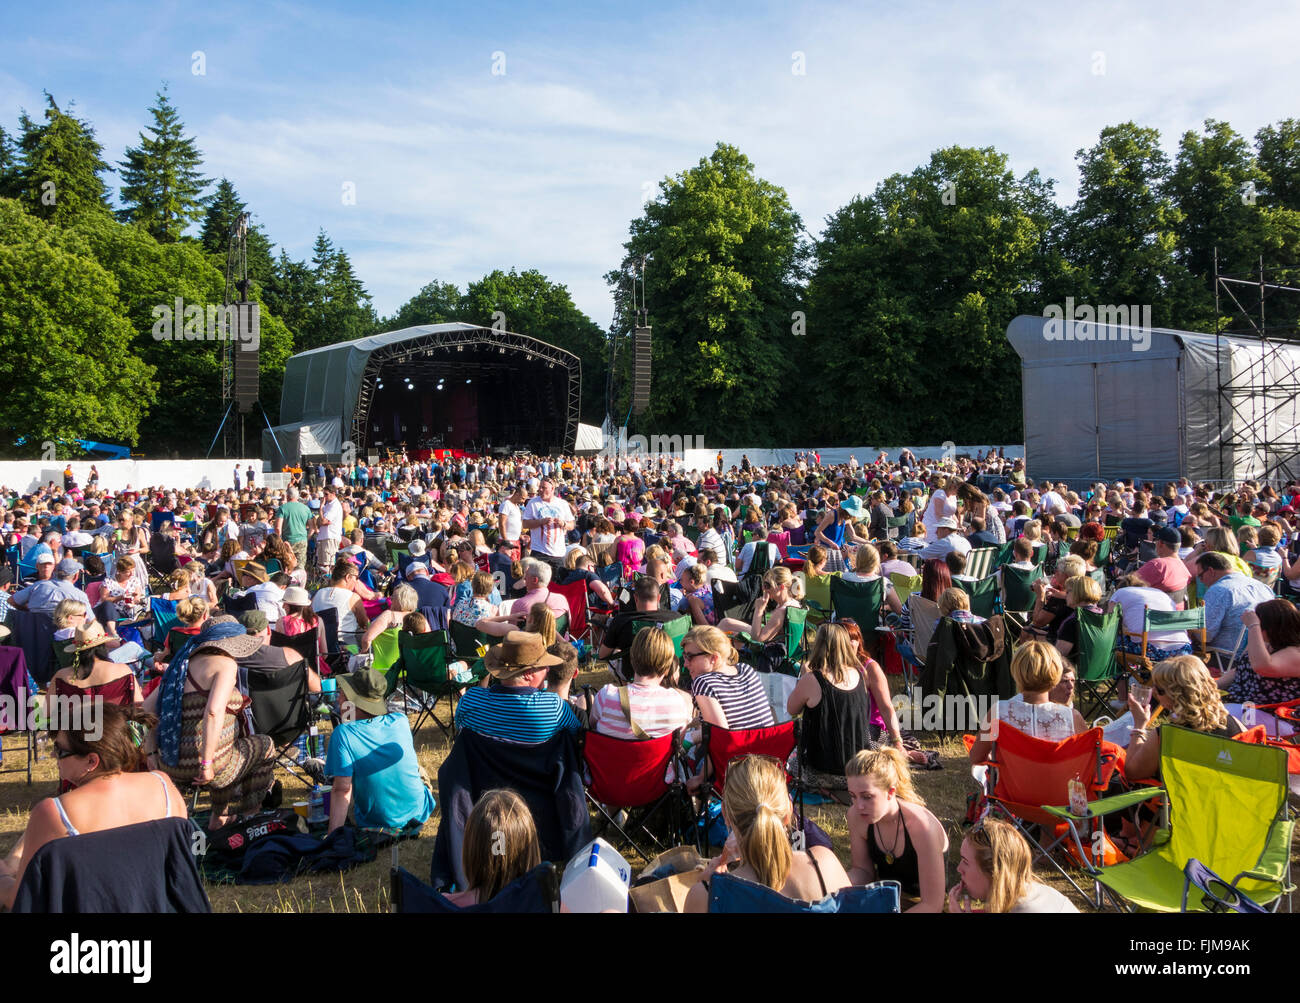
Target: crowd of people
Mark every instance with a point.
(490, 544)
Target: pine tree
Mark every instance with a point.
(322, 256)
(61, 163)
(223, 209)
(9, 166)
(162, 188)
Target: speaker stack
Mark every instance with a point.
(641, 370)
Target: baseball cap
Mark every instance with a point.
(1169, 535)
(45, 559)
(254, 621)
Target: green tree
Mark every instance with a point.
(162, 186)
(61, 166)
(913, 289)
(727, 259)
(10, 167)
(541, 309)
(436, 303)
(65, 342)
(1278, 155)
(1123, 229)
(223, 210)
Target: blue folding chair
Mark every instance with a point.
(728, 893)
(538, 891)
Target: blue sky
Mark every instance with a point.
(458, 170)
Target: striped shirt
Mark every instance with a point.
(741, 696)
(518, 714)
(656, 709)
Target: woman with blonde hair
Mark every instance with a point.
(997, 874)
(756, 807)
(499, 846)
(1081, 592)
(403, 600)
(892, 835)
(1036, 667)
(541, 620)
(1220, 540)
(1185, 689)
(728, 693)
(866, 568)
(781, 589)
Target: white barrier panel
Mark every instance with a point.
(706, 459)
(26, 476)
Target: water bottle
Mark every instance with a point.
(316, 806)
(313, 740)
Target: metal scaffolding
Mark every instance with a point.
(1257, 414)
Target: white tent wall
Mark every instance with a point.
(26, 476)
(1100, 410)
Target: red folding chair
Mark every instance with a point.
(644, 778)
(722, 746)
(1029, 784)
(576, 596)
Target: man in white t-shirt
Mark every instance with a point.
(329, 532)
(510, 519)
(549, 518)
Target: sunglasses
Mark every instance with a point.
(61, 753)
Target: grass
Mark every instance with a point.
(366, 888)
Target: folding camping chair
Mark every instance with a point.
(983, 593)
(1097, 670)
(912, 645)
(859, 601)
(905, 585)
(981, 562)
(421, 673)
(1190, 620)
(538, 891)
(644, 778)
(894, 523)
(1225, 807)
(465, 640)
(576, 596)
(1018, 596)
(306, 644)
(723, 745)
(15, 693)
(1028, 783)
(282, 711)
(385, 650)
(162, 618)
(780, 683)
(730, 894)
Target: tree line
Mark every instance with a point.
(888, 328)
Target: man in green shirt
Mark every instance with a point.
(291, 525)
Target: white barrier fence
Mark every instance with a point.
(26, 476)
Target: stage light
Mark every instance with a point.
(410, 386)
(439, 386)
(468, 381)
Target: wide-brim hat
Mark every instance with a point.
(296, 596)
(239, 645)
(519, 653)
(255, 571)
(947, 522)
(852, 505)
(90, 636)
(365, 689)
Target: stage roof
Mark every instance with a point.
(328, 384)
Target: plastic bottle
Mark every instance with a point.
(316, 806)
(1078, 797)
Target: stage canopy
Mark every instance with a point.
(433, 386)
(1177, 407)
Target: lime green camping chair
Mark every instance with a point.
(385, 650)
(1097, 670)
(1226, 806)
(905, 585)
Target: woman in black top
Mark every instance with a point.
(832, 695)
(893, 836)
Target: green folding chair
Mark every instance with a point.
(675, 629)
(896, 522)
(465, 640)
(1097, 670)
(1190, 620)
(983, 595)
(859, 601)
(1018, 595)
(1103, 553)
(421, 673)
(1225, 804)
(1006, 554)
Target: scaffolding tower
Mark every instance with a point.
(1257, 413)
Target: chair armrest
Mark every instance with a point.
(1105, 806)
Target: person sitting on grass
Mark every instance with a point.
(757, 810)
(500, 846)
(372, 760)
(892, 835)
(997, 874)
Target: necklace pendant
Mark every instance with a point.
(889, 858)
